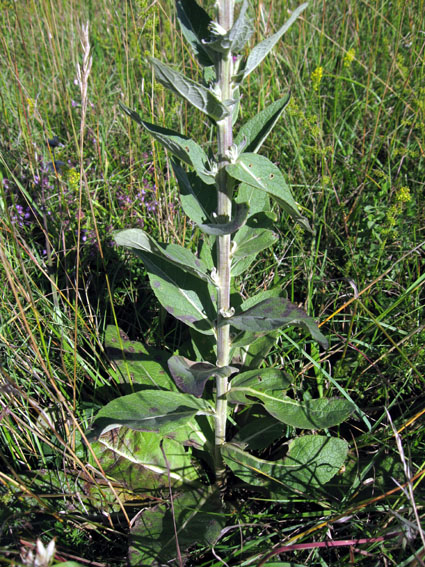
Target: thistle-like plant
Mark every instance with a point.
(183, 408)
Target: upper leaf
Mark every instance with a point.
(261, 173)
(194, 22)
(138, 240)
(261, 50)
(242, 30)
(199, 96)
(198, 200)
(274, 313)
(179, 145)
(149, 410)
(220, 229)
(191, 376)
(255, 131)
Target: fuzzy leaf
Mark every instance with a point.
(249, 241)
(179, 145)
(261, 50)
(274, 313)
(149, 410)
(255, 131)
(311, 462)
(194, 22)
(241, 31)
(197, 198)
(139, 241)
(136, 363)
(262, 380)
(198, 519)
(261, 173)
(191, 377)
(184, 296)
(135, 459)
(310, 414)
(220, 229)
(199, 96)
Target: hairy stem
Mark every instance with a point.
(224, 211)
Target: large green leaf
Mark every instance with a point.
(311, 462)
(197, 516)
(194, 22)
(140, 241)
(274, 313)
(184, 296)
(136, 363)
(198, 199)
(191, 376)
(258, 201)
(255, 131)
(261, 173)
(309, 414)
(135, 460)
(261, 380)
(199, 96)
(261, 50)
(179, 145)
(149, 410)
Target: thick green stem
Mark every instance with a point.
(224, 211)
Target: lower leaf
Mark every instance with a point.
(311, 462)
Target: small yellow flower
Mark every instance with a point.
(73, 178)
(316, 78)
(349, 57)
(403, 195)
(31, 106)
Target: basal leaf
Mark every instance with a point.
(261, 173)
(261, 50)
(179, 145)
(194, 22)
(311, 462)
(191, 376)
(198, 517)
(310, 414)
(199, 96)
(274, 313)
(261, 380)
(255, 131)
(149, 410)
(135, 459)
(184, 296)
(140, 241)
(259, 432)
(136, 363)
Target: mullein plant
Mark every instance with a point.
(212, 412)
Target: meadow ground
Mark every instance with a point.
(351, 143)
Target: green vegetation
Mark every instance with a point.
(351, 143)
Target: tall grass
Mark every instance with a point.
(352, 143)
